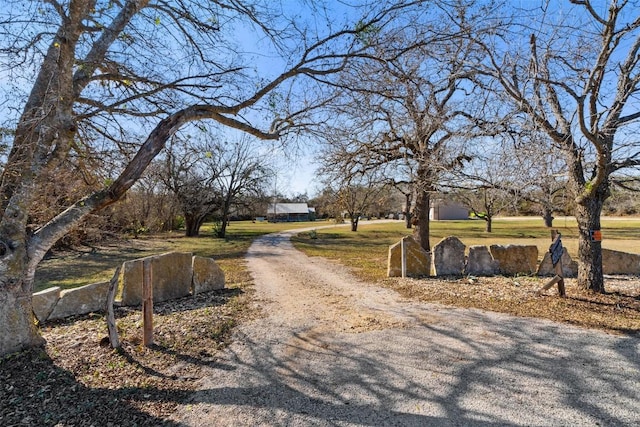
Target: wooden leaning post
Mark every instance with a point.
(111, 318)
(556, 259)
(403, 258)
(147, 306)
(147, 303)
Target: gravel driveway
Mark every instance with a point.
(333, 351)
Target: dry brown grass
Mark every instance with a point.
(78, 380)
(365, 252)
(74, 380)
(616, 311)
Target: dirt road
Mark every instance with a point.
(332, 351)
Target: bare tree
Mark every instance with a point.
(118, 79)
(207, 175)
(191, 182)
(508, 169)
(488, 185)
(410, 118)
(484, 201)
(355, 195)
(539, 174)
(572, 70)
(239, 170)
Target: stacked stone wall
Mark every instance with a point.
(449, 257)
(174, 275)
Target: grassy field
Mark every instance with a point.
(81, 266)
(144, 384)
(365, 250)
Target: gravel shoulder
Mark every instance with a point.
(329, 350)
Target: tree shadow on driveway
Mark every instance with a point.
(475, 368)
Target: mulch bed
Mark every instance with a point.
(616, 311)
(77, 379)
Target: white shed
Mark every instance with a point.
(447, 210)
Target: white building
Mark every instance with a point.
(447, 210)
(290, 212)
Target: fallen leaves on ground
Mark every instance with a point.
(617, 310)
(77, 379)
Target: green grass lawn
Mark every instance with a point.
(70, 269)
(365, 250)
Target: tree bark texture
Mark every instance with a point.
(590, 273)
(18, 328)
(192, 225)
(421, 219)
(590, 197)
(407, 211)
(547, 215)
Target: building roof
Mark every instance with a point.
(288, 208)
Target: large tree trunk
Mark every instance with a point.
(192, 225)
(590, 273)
(354, 222)
(17, 326)
(19, 329)
(407, 210)
(547, 215)
(421, 219)
(488, 220)
(43, 136)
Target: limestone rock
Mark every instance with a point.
(515, 259)
(82, 300)
(480, 262)
(171, 278)
(616, 262)
(44, 302)
(418, 260)
(569, 266)
(207, 275)
(448, 257)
